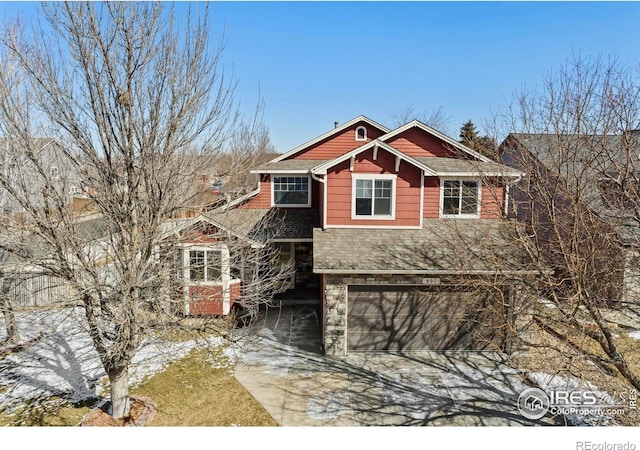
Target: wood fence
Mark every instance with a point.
(29, 290)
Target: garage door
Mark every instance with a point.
(408, 318)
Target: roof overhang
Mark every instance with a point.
(282, 171)
(208, 220)
(376, 143)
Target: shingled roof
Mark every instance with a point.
(441, 246)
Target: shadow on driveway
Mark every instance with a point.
(287, 373)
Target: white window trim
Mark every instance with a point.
(282, 175)
(225, 269)
(364, 137)
(461, 216)
(373, 176)
(225, 277)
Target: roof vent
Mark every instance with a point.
(335, 124)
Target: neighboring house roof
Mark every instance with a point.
(584, 160)
(441, 247)
(330, 133)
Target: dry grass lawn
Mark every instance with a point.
(191, 392)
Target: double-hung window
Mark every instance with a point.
(460, 198)
(205, 265)
(292, 191)
(373, 197)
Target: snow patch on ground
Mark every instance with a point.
(64, 363)
(635, 334)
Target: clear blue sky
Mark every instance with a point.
(317, 63)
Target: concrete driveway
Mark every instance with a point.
(284, 369)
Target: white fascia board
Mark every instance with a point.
(479, 174)
(427, 272)
(329, 134)
(436, 133)
(322, 168)
(282, 171)
(241, 199)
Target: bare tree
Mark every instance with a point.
(436, 118)
(137, 104)
(248, 148)
(577, 141)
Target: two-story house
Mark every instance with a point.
(390, 231)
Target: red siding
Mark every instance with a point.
(431, 198)
(492, 201)
(263, 199)
(492, 198)
(338, 144)
(207, 300)
(407, 200)
(419, 143)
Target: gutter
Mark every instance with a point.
(426, 272)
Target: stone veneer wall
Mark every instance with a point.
(335, 306)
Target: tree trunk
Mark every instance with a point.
(119, 384)
(13, 337)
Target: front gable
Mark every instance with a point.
(420, 140)
(376, 173)
(338, 141)
(418, 143)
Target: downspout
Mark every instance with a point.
(506, 193)
(324, 198)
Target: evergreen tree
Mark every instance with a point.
(468, 134)
(482, 144)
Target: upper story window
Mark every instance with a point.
(460, 198)
(361, 133)
(373, 197)
(55, 172)
(291, 191)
